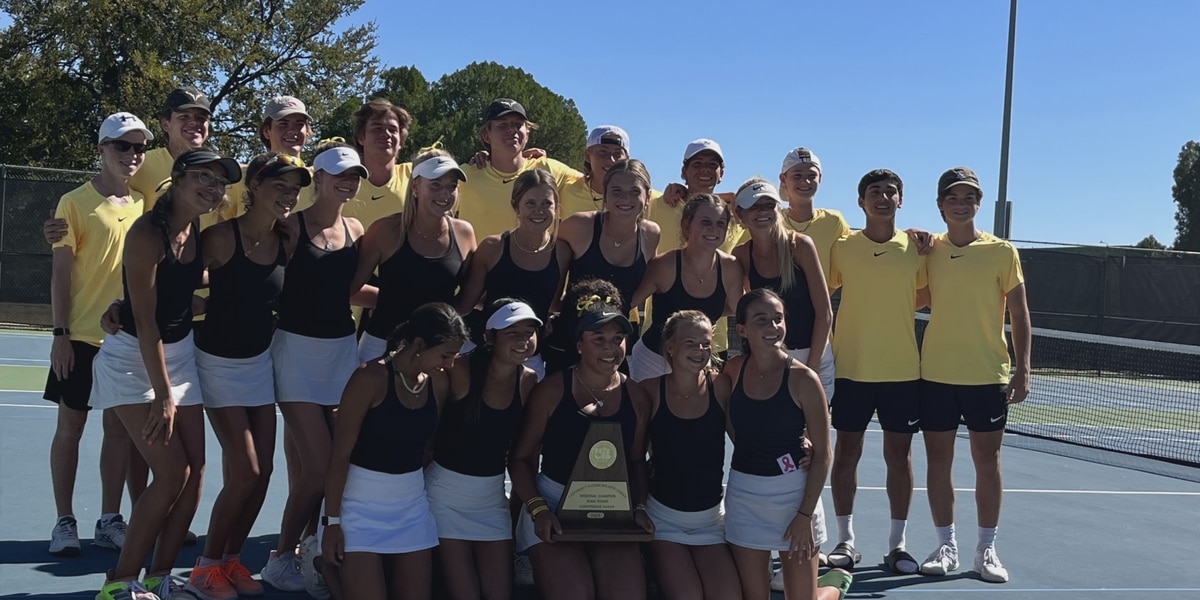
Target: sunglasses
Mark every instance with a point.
(124, 146)
(279, 159)
(207, 178)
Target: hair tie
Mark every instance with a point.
(586, 303)
(335, 139)
(436, 145)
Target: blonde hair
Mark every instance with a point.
(783, 239)
(636, 168)
(671, 327)
(409, 215)
(692, 205)
(533, 178)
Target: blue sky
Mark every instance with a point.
(1105, 92)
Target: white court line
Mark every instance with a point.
(4, 359)
(1029, 491)
(1038, 591)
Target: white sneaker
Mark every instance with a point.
(987, 564)
(314, 582)
(283, 573)
(777, 581)
(64, 538)
(942, 561)
(110, 534)
(523, 572)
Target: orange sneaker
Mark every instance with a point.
(239, 576)
(210, 583)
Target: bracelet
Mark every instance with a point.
(641, 506)
(530, 502)
(539, 510)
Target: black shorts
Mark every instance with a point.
(75, 390)
(895, 401)
(981, 407)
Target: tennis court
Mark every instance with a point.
(1071, 529)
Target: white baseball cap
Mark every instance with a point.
(282, 106)
(510, 314)
(799, 156)
(336, 161)
(610, 133)
(751, 194)
(119, 124)
(700, 145)
(437, 166)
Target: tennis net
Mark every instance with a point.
(1120, 401)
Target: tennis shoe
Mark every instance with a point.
(125, 590)
(283, 572)
(942, 561)
(168, 587)
(314, 581)
(110, 534)
(211, 583)
(988, 565)
(64, 538)
(523, 572)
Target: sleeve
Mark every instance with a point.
(922, 272)
(68, 210)
(562, 173)
(843, 226)
(835, 273)
(1013, 275)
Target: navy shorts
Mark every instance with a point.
(896, 402)
(981, 407)
(76, 389)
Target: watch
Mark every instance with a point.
(327, 521)
(62, 331)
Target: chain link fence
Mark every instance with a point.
(28, 196)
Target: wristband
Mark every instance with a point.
(539, 510)
(329, 521)
(641, 506)
(62, 331)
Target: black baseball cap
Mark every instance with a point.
(503, 106)
(956, 176)
(595, 320)
(204, 156)
(274, 164)
(185, 97)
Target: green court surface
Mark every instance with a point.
(22, 378)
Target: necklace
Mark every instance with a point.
(706, 271)
(414, 390)
(424, 235)
(545, 244)
(617, 244)
(687, 396)
(595, 400)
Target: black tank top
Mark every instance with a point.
(407, 280)
(393, 437)
(592, 264)
(567, 427)
(535, 288)
(766, 431)
(174, 285)
(687, 462)
(240, 319)
(677, 298)
(799, 314)
(477, 446)
(316, 288)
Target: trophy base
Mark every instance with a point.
(605, 534)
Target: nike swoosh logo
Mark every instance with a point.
(881, 254)
(911, 423)
(952, 256)
(995, 419)
(509, 180)
(121, 219)
(376, 197)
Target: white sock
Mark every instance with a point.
(228, 557)
(106, 517)
(896, 539)
(67, 516)
(946, 535)
(846, 529)
(987, 538)
(208, 562)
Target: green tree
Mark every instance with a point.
(1150, 243)
(1187, 196)
(64, 65)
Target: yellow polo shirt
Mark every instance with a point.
(375, 202)
(826, 227)
(485, 198)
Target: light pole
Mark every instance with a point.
(1003, 225)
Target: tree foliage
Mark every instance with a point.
(450, 109)
(65, 65)
(1187, 196)
(1150, 243)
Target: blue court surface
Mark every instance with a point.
(1070, 529)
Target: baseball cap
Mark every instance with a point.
(754, 192)
(799, 156)
(277, 165)
(510, 314)
(595, 320)
(121, 123)
(956, 176)
(437, 166)
(185, 97)
(204, 156)
(503, 106)
(282, 106)
(335, 161)
(700, 145)
(608, 134)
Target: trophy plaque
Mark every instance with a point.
(595, 505)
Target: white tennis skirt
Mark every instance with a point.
(119, 375)
(699, 528)
(468, 507)
(645, 363)
(232, 382)
(550, 490)
(370, 348)
(759, 509)
(826, 373)
(309, 369)
(386, 514)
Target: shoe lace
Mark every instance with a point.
(234, 569)
(945, 553)
(64, 527)
(990, 558)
